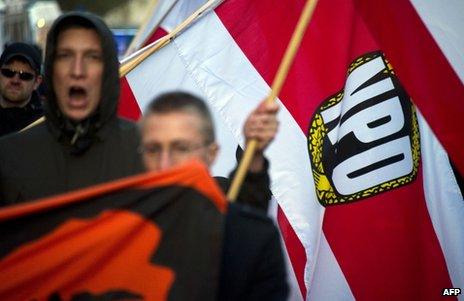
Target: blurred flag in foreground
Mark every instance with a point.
(367, 202)
(147, 237)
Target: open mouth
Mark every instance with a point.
(77, 92)
(77, 97)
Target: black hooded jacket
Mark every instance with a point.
(60, 155)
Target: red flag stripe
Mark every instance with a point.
(422, 68)
(295, 249)
(128, 106)
(159, 33)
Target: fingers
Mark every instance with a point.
(268, 108)
(262, 124)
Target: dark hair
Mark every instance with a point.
(184, 102)
(75, 22)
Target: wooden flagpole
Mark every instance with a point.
(34, 123)
(279, 79)
(155, 46)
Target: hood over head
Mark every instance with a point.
(80, 135)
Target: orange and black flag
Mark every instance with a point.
(147, 237)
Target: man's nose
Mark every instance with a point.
(78, 67)
(15, 79)
(165, 160)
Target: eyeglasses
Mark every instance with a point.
(176, 151)
(23, 75)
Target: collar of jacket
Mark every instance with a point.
(79, 137)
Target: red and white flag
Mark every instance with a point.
(368, 205)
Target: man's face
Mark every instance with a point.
(14, 90)
(77, 72)
(173, 138)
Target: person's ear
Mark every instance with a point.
(38, 81)
(211, 153)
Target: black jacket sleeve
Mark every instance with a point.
(255, 189)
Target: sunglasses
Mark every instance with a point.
(23, 75)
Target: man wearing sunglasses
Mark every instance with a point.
(20, 104)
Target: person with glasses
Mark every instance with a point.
(177, 127)
(20, 104)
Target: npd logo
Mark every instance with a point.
(364, 140)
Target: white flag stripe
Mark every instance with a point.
(329, 282)
(445, 22)
(444, 202)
